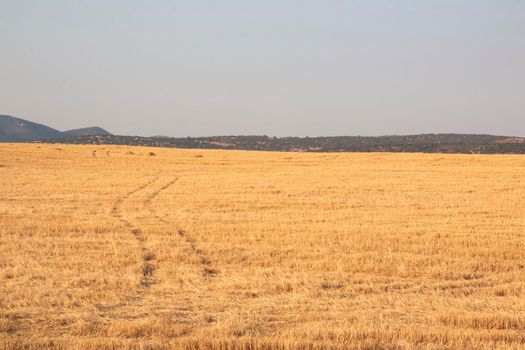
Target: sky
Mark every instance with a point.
(277, 68)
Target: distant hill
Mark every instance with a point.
(16, 130)
(94, 131)
(19, 130)
(426, 143)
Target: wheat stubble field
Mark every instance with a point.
(109, 247)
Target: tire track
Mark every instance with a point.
(208, 270)
(145, 299)
(148, 257)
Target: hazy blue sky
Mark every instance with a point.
(283, 67)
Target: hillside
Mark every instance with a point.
(93, 131)
(427, 143)
(14, 129)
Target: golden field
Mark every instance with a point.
(116, 247)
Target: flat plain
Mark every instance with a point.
(110, 247)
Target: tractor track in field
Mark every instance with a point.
(149, 264)
(150, 297)
(208, 270)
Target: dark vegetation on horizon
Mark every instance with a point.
(428, 143)
(18, 130)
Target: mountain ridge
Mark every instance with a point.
(13, 129)
(89, 131)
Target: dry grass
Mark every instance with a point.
(109, 247)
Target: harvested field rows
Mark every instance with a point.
(105, 247)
